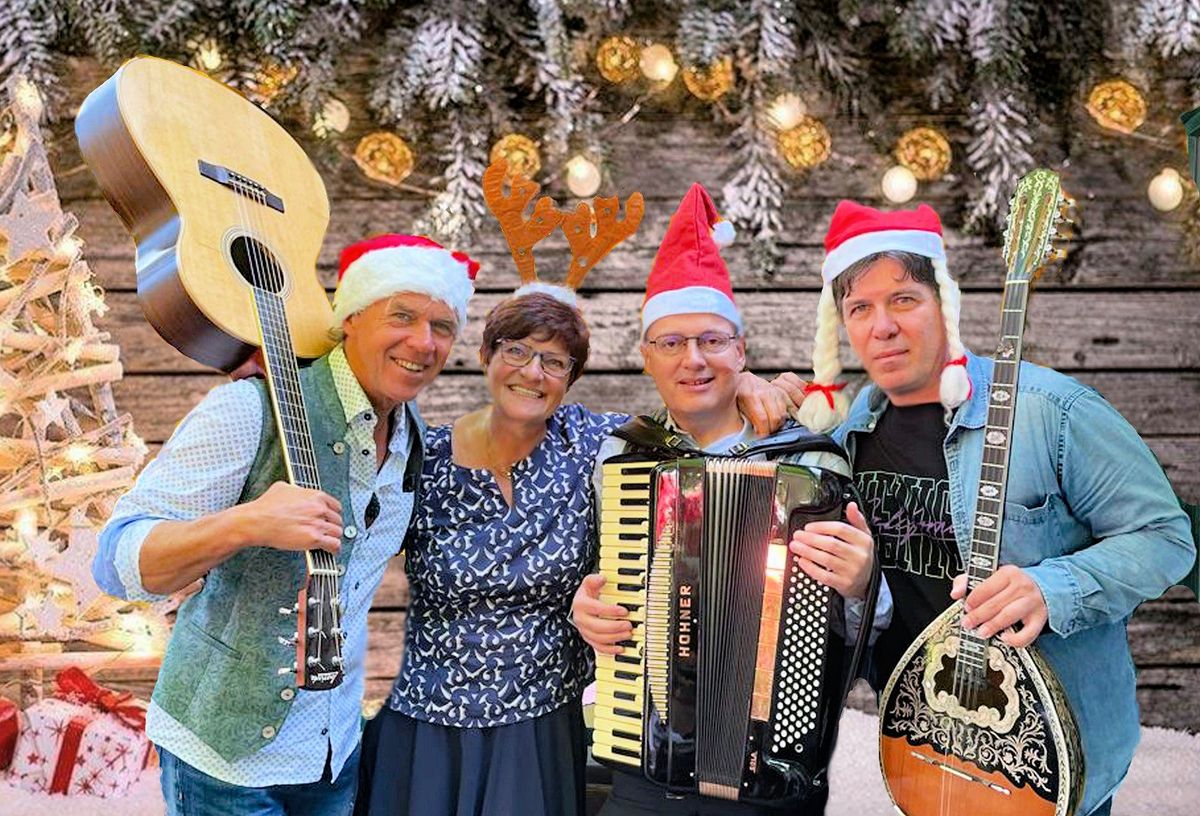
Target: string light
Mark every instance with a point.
(899, 184)
(78, 454)
(658, 64)
(207, 56)
(68, 248)
(29, 99)
(25, 524)
(786, 111)
(1166, 190)
(583, 177)
(333, 118)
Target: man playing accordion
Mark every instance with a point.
(694, 347)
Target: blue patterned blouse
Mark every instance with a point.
(488, 639)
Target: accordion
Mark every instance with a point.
(737, 671)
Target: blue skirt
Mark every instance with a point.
(532, 768)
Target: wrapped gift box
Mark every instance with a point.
(9, 723)
(81, 743)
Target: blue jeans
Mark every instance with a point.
(189, 792)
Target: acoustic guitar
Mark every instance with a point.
(227, 214)
(970, 725)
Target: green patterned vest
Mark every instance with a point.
(220, 677)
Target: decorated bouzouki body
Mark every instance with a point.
(970, 725)
(227, 214)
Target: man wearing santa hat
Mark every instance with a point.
(694, 346)
(1091, 525)
(234, 732)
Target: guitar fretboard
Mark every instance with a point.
(283, 379)
(283, 376)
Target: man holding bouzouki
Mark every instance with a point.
(236, 728)
(1090, 525)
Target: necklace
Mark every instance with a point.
(494, 465)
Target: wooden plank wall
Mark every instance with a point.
(1122, 314)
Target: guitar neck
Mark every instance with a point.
(283, 380)
(997, 444)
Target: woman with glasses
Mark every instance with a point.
(485, 716)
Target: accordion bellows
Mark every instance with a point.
(734, 678)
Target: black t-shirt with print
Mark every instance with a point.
(900, 471)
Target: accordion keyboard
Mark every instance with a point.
(624, 534)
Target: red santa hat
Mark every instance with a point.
(689, 275)
(857, 232)
(382, 266)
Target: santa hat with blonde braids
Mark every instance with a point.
(857, 232)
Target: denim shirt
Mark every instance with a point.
(1090, 516)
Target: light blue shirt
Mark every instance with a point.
(1091, 518)
(201, 470)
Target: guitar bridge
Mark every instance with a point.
(242, 185)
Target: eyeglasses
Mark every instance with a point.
(519, 355)
(672, 345)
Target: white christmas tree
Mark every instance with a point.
(66, 453)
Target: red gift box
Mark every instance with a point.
(84, 739)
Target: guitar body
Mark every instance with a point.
(1011, 750)
(228, 215)
(144, 133)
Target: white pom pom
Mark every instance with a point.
(723, 233)
(816, 414)
(955, 386)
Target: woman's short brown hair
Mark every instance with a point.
(540, 317)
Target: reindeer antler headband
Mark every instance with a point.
(587, 247)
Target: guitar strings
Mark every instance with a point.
(326, 563)
(289, 388)
(267, 280)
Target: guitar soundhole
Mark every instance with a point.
(257, 264)
(984, 692)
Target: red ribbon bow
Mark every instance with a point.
(827, 390)
(75, 686)
(962, 361)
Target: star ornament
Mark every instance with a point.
(28, 223)
(74, 566)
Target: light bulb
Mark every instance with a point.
(1166, 190)
(658, 63)
(899, 184)
(786, 111)
(583, 177)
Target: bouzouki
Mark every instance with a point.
(227, 214)
(970, 725)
